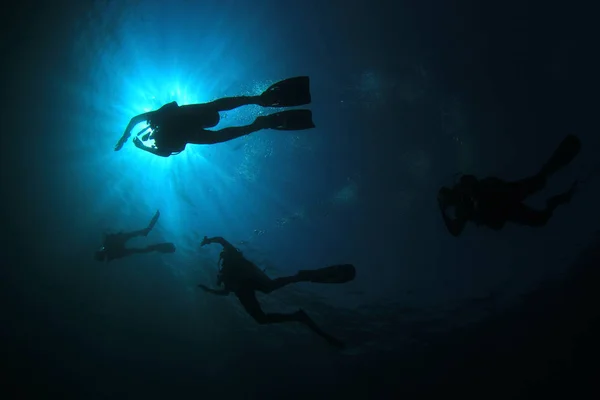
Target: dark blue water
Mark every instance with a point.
(405, 95)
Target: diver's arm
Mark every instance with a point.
(229, 103)
(218, 239)
(132, 123)
(218, 292)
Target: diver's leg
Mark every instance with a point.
(334, 274)
(125, 236)
(158, 247)
(252, 306)
(277, 283)
(229, 103)
(306, 320)
(517, 191)
(250, 303)
(566, 151)
(142, 232)
(137, 250)
(525, 215)
(224, 135)
(563, 155)
(564, 198)
(162, 247)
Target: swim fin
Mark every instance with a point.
(153, 222)
(563, 198)
(290, 120)
(306, 320)
(287, 93)
(164, 247)
(563, 155)
(332, 274)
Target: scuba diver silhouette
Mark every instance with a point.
(244, 278)
(114, 244)
(493, 202)
(172, 127)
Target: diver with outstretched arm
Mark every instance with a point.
(242, 277)
(493, 202)
(172, 126)
(114, 244)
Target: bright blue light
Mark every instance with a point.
(153, 99)
(144, 96)
(145, 56)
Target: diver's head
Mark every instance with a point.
(100, 255)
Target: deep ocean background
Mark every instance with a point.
(406, 94)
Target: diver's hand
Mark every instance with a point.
(205, 241)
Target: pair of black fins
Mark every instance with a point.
(290, 92)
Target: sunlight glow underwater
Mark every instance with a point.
(162, 181)
(129, 70)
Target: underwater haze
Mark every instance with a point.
(406, 95)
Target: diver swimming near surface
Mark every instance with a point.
(244, 278)
(493, 202)
(114, 244)
(172, 126)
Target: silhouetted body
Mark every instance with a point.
(243, 278)
(114, 244)
(172, 126)
(493, 201)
